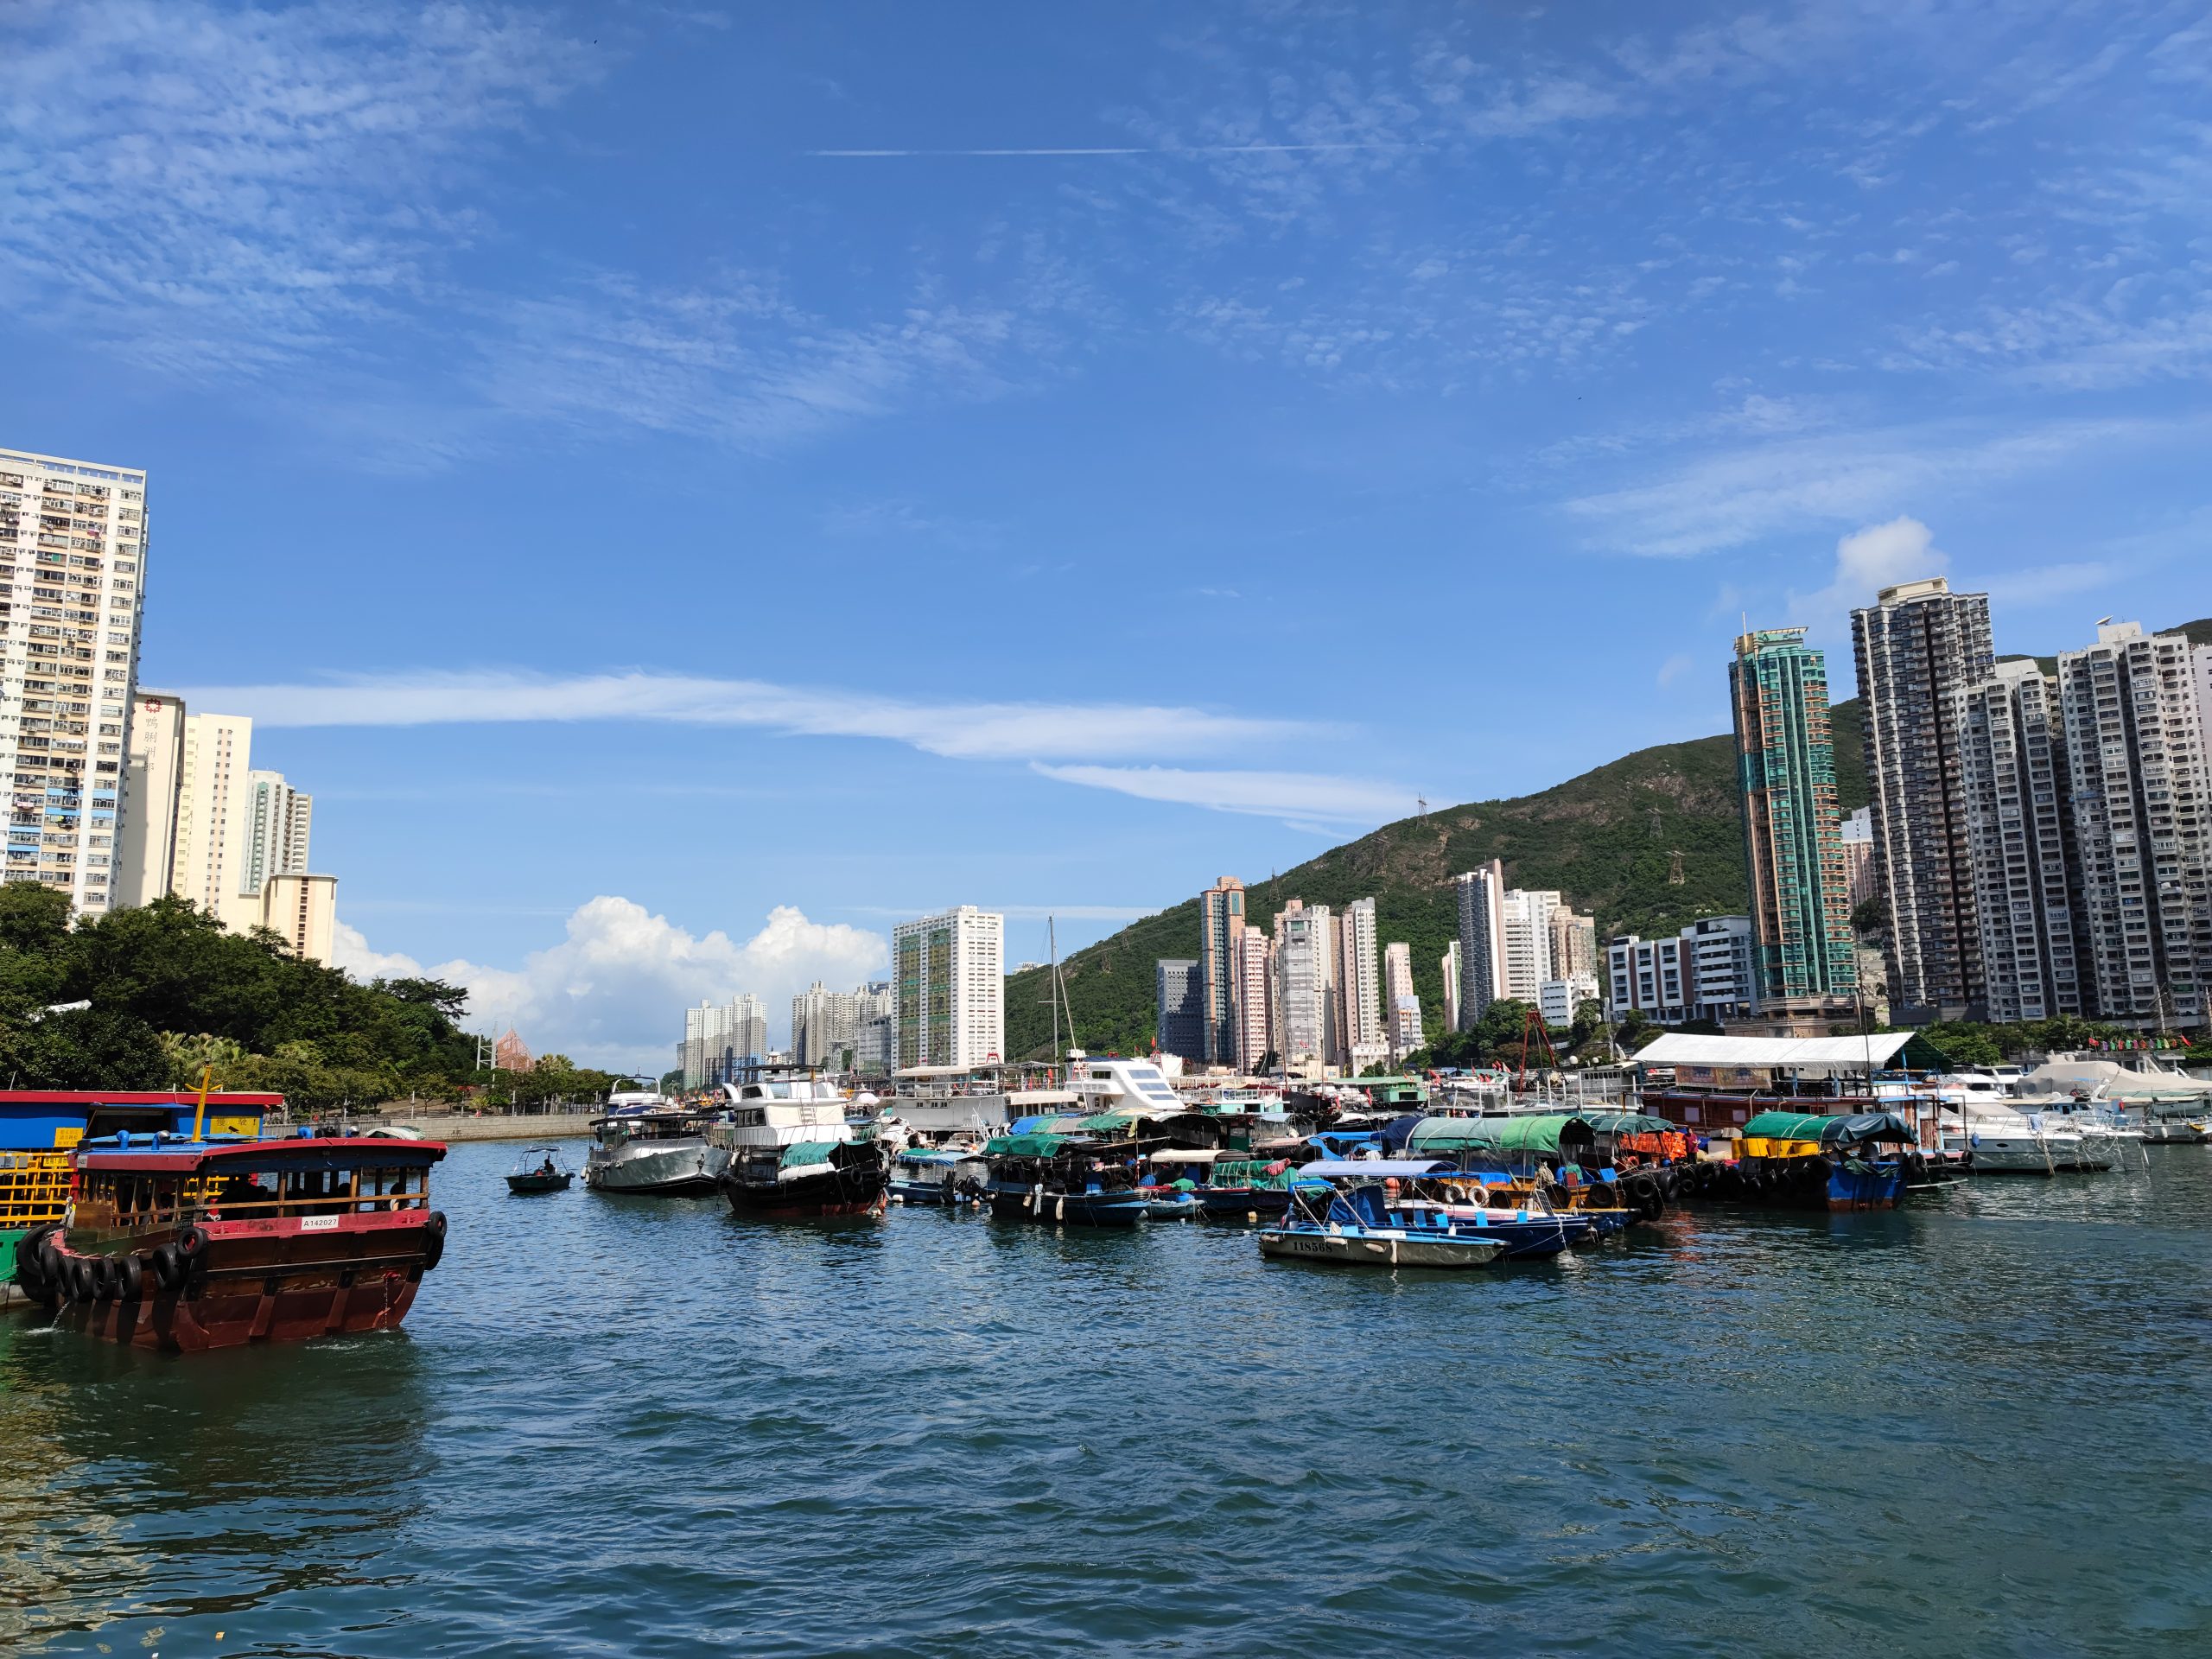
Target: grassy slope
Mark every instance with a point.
(1605, 839)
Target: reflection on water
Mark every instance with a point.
(632, 1425)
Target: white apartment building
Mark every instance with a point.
(720, 1041)
(824, 1025)
(1557, 999)
(876, 1037)
(1255, 1000)
(2136, 752)
(1528, 919)
(1481, 896)
(1304, 964)
(213, 796)
(72, 550)
(1361, 1036)
(1704, 972)
(1858, 838)
(950, 982)
(1450, 966)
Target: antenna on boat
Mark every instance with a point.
(1052, 985)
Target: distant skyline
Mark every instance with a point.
(684, 488)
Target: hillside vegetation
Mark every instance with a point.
(1607, 840)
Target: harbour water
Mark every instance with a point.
(641, 1427)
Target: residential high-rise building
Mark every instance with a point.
(1800, 906)
(1558, 999)
(1858, 839)
(952, 987)
(1256, 1000)
(1304, 962)
(1527, 918)
(1704, 972)
(1450, 967)
(1362, 1039)
(145, 842)
(304, 908)
(1918, 648)
(1404, 1016)
(2201, 661)
(723, 1042)
(277, 817)
(72, 550)
(214, 797)
(1480, 893)
(1221, 923)
(1575, 944)
(876, 1041)
(825, 1025)
(1180, 1025)
(2013, 770)
(2137, 752)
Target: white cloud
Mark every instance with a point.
(1868, 561)
(972, 731)
(612, 991)
(351, 952)
(1302, 795)
(1728, 499)
(1676, 666)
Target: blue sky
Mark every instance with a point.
(684, 486)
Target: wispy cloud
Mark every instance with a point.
(1303, 795)
(1109, 149)
(1727, 499)
(972, 731)
(225, 189)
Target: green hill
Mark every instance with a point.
(1607, 840)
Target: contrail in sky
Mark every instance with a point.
(1130, 149)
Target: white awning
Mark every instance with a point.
(1194, 1157)
(1688, 1048)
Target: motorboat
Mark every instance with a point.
(540, 1170)
(1063, 1178)
(787, 1148)
(1998, 1139)
(1357, 1215)
(648, 1145)
(943, 1176)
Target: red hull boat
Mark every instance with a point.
(192, 1246)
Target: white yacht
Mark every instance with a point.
(2001, 1141)
(1118, 1085)
(935, 1102)
(646, 1143)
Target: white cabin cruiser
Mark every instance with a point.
(645, 1143)
(2001, 1141)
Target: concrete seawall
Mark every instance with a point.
(457, 1126)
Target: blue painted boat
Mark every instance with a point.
(1413, 1192)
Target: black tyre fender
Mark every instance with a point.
(192, 1245)
(169, 1267)
(35, 1258)
(127, 1276)
(433, 1239)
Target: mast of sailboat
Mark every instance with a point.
(1052, 990)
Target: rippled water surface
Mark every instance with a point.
(643, 1427)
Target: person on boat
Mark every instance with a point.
(546, 1168)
